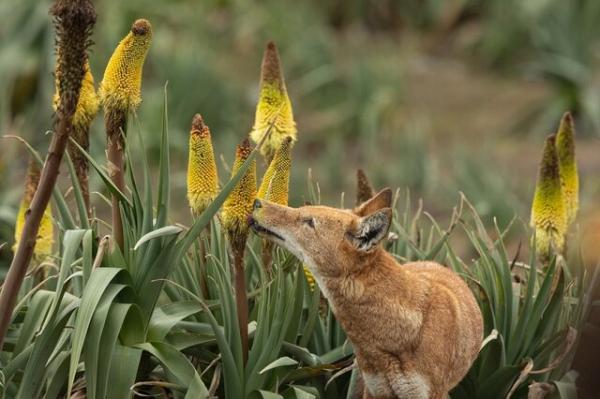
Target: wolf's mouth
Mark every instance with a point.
(261, 230)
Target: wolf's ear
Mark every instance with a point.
(371, 230)
(382, 199)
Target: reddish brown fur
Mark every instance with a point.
(416, 328)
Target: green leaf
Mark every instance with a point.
(92, 347)
(161, 232)
(313, 315)
(63, 209)
(71, 241)
(337, 354)
(150, 280)
(231, 373)
(498, 383)
(300, 353)
(178, 365)
(43, 347)
(114, 190)
(281, 362)
(164, 190)
(87, 262)
(269, 395)
(81, 208)
(122, 372)
(167, 316)
(520, 331)
(147, 222)
(292, 332)
(535, 317)
(566, 390)
(36, 312)
(59, 377)
(305, 392)
(99, 281)
(108, 343)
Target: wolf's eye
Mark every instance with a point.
(309, 222)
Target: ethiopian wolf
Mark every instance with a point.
(416, 328)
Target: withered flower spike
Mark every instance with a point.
(271, 66)
(364, 190)
(198, 124)
(569, 176)
(74, 20)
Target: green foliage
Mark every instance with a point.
(160, 317)
(532, 314)
(110, 323)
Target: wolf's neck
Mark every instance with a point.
(359, 280)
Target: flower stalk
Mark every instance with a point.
(74, 20)
(202, 180)
(234, 219)
(120, 94)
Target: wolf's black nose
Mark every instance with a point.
(257, 204)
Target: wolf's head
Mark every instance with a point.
(330, 241)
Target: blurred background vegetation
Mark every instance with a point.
(435, 96)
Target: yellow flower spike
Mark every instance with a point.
(238, 205)
(569, 177)
(273, 105)
(202, 180)
(88, 103)
(120, 93)
(45, 239)
(234, 219)
(120, 88)
(310, 279)
(275, 183)
(548, 212)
